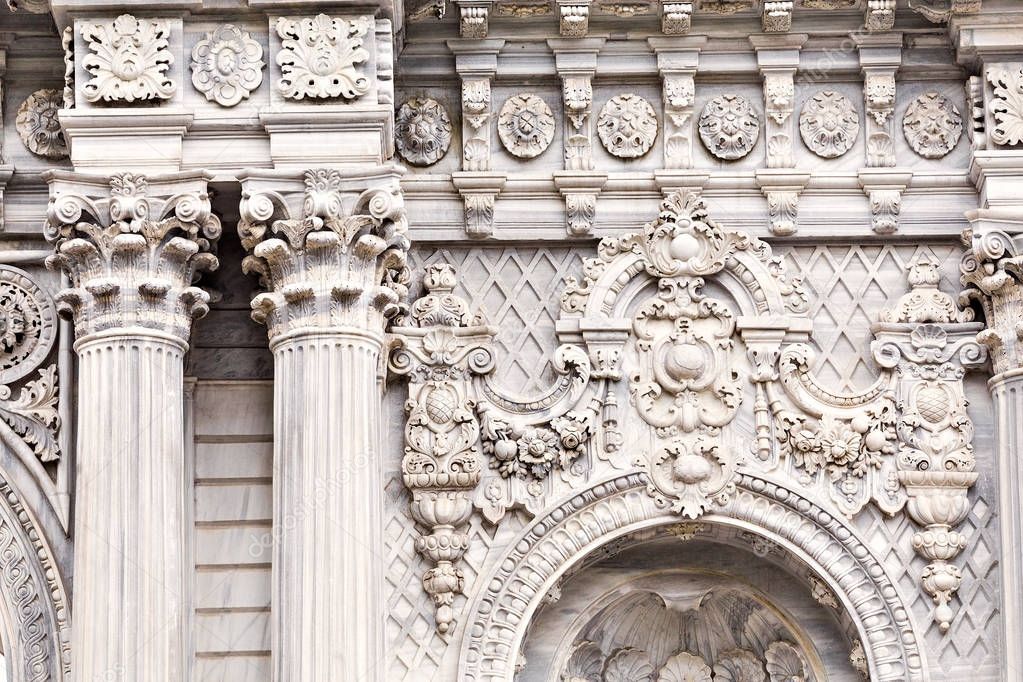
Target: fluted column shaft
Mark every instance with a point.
(130, 581)
(328, 614)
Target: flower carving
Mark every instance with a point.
(627, 126)
(129, 60)
(537, 450)
(729, 127)
(525, 126)
(829, 124)
(227, 65)
(28, 324)
(422, 131)
(933, 125)
(38, 125)
(318, 57)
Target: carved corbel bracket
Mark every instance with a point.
(479, 192)
(576, 62)
(776, 17)
(686, 181)
(884, 189)
(473, 18)
(574, 17)
(940, 11)
(580, 189)
(880, 15)
(677, 62)
(676, 17)
(782, 188)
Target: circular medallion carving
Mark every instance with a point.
(933, 125)
(525, 126)
(422, 131)
(729, 127)
(227, 65)
(38, 126)
(829, 124)
(627, 126)
(28, 325)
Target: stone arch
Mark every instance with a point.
(34, 603)
(569, 532)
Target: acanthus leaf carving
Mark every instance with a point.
(128, 60)
(320, 57)
(1006, 103)
(227, 65)
(33, 414)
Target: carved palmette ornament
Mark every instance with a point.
(932, 125)
(38, 126)
(319, 57)
(525, 126)
(829, 124)
(422, 131)
(627, 126)
(729, 127)
(227, 65)
(128, 60)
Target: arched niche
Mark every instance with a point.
(569, 534)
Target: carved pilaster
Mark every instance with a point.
(880, 58)
(441, 348)
(677, 62)
(131, 247)
(574, 18)
(330, 246)
(576, 62)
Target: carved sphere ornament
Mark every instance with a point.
(525, 126)
(38, 125)
(627, 126)
(28, 325)
(829, 124)
(227, 65)
(422, 131)
(933, 125)
(729, 127)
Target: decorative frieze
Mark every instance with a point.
(627, 126)
(729, 127)
(128, 60)
(227, 65)
(321, 57)
(422, 131)
(525, 125)
(932, 125)
(38, 126)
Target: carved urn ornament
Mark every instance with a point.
(829, 124)
(227, 65)
(933, 125)
(38, 126)
(627, 126)
(729, 127)
(422, 131)
(525, 126)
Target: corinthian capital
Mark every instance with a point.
(330, 247)
(132, 246)
(992, 274)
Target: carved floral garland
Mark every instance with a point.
(319, 57)
(227, 65)
(129, 60)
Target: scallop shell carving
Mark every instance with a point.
(584, 664)
(685, 667)
(785, 663)
(628, 665)
(739, 665)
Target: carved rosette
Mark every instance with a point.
(133, 247)
(627, 126)
(38, 126)
(525, 126)
(829, 124)
(729, 127)
(227, 65)
(329, 245)
(933, 125)
(128, 60)
(320, 57)
(422, 131)
(441, 348)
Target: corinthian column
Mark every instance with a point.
(132, 248)
(330, 246)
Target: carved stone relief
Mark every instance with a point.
(320, 57)
(128, 60)
(38, 126)
(227, 65)
(729, 127)
(676, 17)
(422, 131)
(679, 93)
(829, 124)
(575, 18)
(879, 96)
(475, 117)
(525, 126)
(933, 125)
(1006, 103)
(577, 96)
(627, 126)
